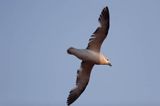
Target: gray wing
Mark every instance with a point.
(101, 32)
(83, 75)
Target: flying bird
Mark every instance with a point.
(90, 56)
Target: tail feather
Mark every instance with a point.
(70, 50)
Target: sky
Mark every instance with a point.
(35, 69)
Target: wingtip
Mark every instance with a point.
(106, 7)
(104, 17)
(69, 101)
(70, 98)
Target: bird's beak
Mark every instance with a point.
(109, 64)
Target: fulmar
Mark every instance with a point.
(90, 56)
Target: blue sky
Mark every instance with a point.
(34, 65)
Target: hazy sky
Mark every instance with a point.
(36, 70)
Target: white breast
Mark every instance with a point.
(89, 55)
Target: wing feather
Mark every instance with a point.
(101, 32)
(83, 75)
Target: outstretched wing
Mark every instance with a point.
(83, 75)
(101, 32)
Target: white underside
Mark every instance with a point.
(89, 55)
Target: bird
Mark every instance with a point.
(90, 56)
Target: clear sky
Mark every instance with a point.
(36, 70)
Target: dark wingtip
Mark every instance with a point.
(105, 13)
(69, 101)
(71, 98)
(104, 18)
(73, 95)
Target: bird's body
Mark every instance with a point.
(90, 56)
(87, 55)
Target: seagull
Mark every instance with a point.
(90, 56)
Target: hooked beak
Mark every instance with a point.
(109, 64)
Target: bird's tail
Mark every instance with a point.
(70, 50)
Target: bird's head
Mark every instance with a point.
(107, 61)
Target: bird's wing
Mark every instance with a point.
(83, 75)
(101, 32)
